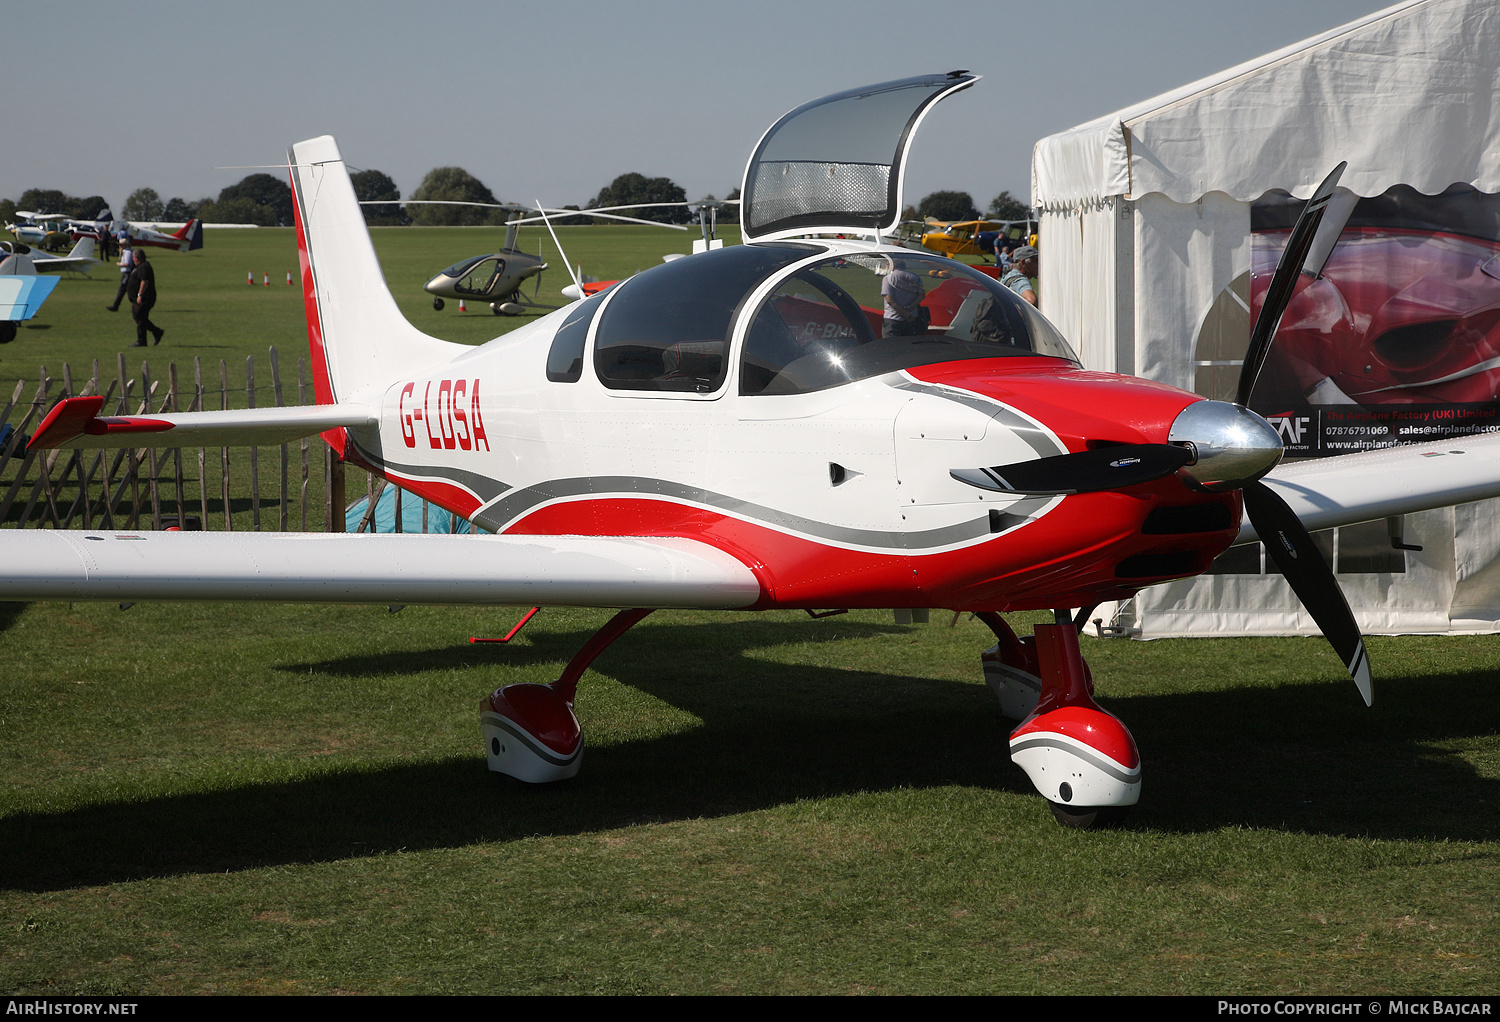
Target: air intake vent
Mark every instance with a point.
(1176, 521)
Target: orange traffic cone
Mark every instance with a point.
(268, 279)
(288, 278)
(461, 306)
(250, 279)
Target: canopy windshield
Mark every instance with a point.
(835, 164)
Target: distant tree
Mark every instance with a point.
(569, 221)
(176, 209)
(452, 184)
(909, 213)
(260, 190)
(7, 211)
(373, 185)
(1006, 206)
(238, 211)
(43, 200)
(143, 204)
(629, 189)
(948, 206)
(87, 208)
(730, 214)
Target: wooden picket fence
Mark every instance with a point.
(156, 488)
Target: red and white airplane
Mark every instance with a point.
(786, 423)
(187, 238)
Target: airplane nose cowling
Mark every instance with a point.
(1234, 446)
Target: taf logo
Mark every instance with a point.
(1291, 428)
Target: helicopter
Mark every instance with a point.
(496, 278)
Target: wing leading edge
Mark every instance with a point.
(1352, 488)
(582, 571)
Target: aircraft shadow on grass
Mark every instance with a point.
(1302, 758)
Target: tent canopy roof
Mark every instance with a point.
(1408, 95)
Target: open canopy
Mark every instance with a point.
(836, 164)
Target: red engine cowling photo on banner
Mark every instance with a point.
(1399, 340)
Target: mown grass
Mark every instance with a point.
(243, 799)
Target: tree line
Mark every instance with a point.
(960, 206)
(266, 200)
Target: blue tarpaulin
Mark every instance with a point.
(438, 520)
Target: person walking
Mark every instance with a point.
(141, 286)
(126, 265)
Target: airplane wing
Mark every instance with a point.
(584, 571)
(76, 423)
(1366, 487)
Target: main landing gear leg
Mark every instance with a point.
(1081, 758)
(529, 730)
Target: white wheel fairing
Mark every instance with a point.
(1053, 760)
(511, 751)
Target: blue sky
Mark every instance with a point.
(552, 100)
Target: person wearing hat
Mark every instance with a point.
(1022, 269)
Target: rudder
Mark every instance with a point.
(359, 340)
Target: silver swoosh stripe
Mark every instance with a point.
(1027, 430)
(502, 512)
(482, 486)
(1096, 760)
(495, 720)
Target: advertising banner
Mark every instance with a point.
(1397, 342)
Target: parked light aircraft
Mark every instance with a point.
(954, 238)
(39, 230)
(187, 238)
(22, 289)
(79, 260)
(749, 428)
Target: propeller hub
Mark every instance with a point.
(1234, 446)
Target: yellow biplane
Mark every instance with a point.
(954, 238)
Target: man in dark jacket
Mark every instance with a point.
(141, 286)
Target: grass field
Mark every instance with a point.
(277, 799)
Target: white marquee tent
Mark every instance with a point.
(1146, 219)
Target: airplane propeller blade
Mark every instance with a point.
(1284, 281)
(1107, 468)
(1299, 561)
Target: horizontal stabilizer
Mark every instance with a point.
(76, 423)
(582, 571)
(1351, 488)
